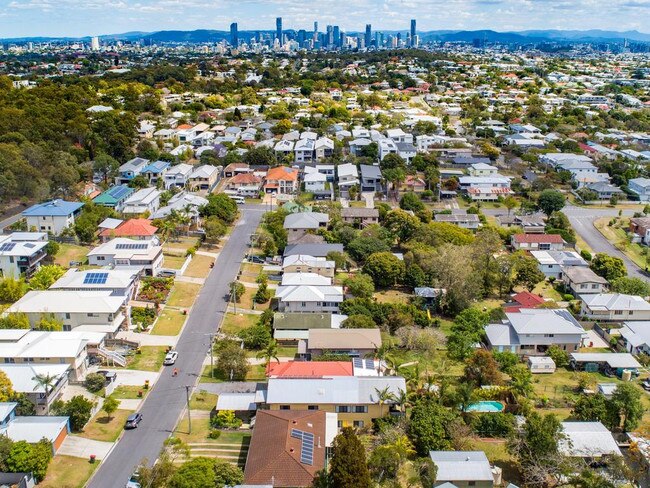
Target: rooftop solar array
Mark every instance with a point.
(95, 279)
(307, 446)
(130, 246)
(7, 246)
(119, 191)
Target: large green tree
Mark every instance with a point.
(348, 468)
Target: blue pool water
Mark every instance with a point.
(490, 406)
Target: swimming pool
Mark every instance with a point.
(487, 406)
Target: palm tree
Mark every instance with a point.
(384, 395)
(47, 382)
(269, 353)
(380, 354)
(403, 399)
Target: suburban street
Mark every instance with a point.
(163, 406)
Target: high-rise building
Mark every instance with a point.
(302, 36)
(336, 35)
(368, 37)
(377, 40)
(278, 29)
(94, 43)
(413, 33)
(234, 35)
(329, 38)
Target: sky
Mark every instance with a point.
(23, 18)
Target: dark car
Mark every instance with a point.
(109, 376)
(256, 260)
(133, 420)
(646, 384)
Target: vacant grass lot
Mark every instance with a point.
(68, 472)
(183, 294)
(169, 323)
(173, 261)
(70, 252)
(233, 323)
(392, 296)
(149, 359)
(618, 237)
(103, 428)
(199, 267)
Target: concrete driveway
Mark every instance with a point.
(82, 448)
(134, 377)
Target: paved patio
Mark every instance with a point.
(82, 448)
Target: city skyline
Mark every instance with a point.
(23, 18)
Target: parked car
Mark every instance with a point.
(109, 376)
(167, 274)
(133, 420)
(170, 358)
(256, 260)
(645, 384)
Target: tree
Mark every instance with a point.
(482, 369)
(348, 468)
(262, 295)
(550, 201)
(590, 408)
(510, 203)
(231, 360)
(256, 336)
(401, 224)
(110, 405)
(467, 330)
(105, 166)
(362, 247)
(269, 353)
(6, 388)
(46, 381)
(94, 382)
(45, 277)
(384, 268)
(222, 206)
(626, 406)
(49, 322)
(360, 285)
(237, 290)
(609, 267)
(559, 356)
(359, 322)
(392, 161)
(341, 259)
(15, 321)
(630, 286)
(521, 380)
(12, 290)
(30, 458)
(588, 478)
(214, 228)
(410, 201)
(426, 427)
(414, 277)
(202, 472)
(78, 408)
(383, 395)
(527, 272)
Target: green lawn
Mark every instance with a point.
(202, 400)
(176, 244)
(207, 377)
(618, 237)
(546, 290)
(233, 323)
(200, 429)
(392, 296)
(129, 392)
(103, 428)
(183, 294)
(199, 267)
(497, 452)
(68, 472)
(169, 323)
(150, 358)
(70, 252)
(173, 261)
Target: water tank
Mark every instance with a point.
(627, 375)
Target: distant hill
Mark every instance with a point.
(522, 37)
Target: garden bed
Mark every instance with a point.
(155, 289)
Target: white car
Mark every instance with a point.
(170, 358)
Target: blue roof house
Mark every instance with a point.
(155, 171)
(53, 216)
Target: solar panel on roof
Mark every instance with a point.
(306, 447)
(131, 246)
(95, 279)
(7, 246)
(119, 191)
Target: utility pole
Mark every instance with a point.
(189, 414)
(212, 355)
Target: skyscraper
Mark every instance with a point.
(302, 36)
(368, 38)
(336, 36)
(278, 29)
(413, 44)
(329, 38)
(234, 35)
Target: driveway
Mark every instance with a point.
(164, 405)
(82, 448)
(132, 377)
(148, 339)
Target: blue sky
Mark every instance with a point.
(95, 17)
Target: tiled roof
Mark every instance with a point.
(538, 238)
(132, 227)
(310, 369)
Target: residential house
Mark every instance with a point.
(587, 440)
(530, 332)
(178, 176)
(299, 441)
(298, 263)
(315, 181)
(136, 229)
(130, 170)
(204, 177)
(414, 184)
(329, 170)
(640, 227)
(185, 203)
(462, 469)
(146, 200)
(305, 279)
(371, 178)
(300, 223)
(553, 263)
(406, 151)
(31, 429)
(640, 187)
(246, 184)
(530, 224)
(310, 369)
(357, 145)
(316, 250)
(348, 176)
(522, 300)
(353, 398)
(485, 188)
(616, 307)
(294, 327)
(359, 217)
(154, 172)
(635, 337)
(236, 168)
(482, 169)
(23, 380)
(73, 308)
(386, 147)
(52, 217)
(309, 299)
(323, 148)
(356, 343)
(114, 197)
(281, 180)
(128, 252)
(468, 161)
(605, 190)
(581, 280)
(398, 136)
(463, 220)
(283, 148)
(303, 150)
(119, 282)
(21, 253)
(537, 242)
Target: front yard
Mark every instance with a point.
(68, 472)
(234, 323)
(183, 294)
(169, 323)
(104, 428)
(617, 235)
(199, 267)
(150, 358)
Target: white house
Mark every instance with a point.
(640, 186)
(21, 253)
(309, 299)
(485, 188)
(615, 307)
(462, 469)
(128, 252)
(552, 263)
(144, 200)
(177, 176)
(53, 216)
(482, 169)
(315, 182)
(348, 175)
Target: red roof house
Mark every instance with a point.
(140, 229)
(537, 242)
(309, 369)
(523, 300)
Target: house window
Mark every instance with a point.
(618, 312)
(358, 423)
(312, 407)
(67, 316)
(594, 286)
(361, 409)
(285, 407)
(339, 424)
(342, 409)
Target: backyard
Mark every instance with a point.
(70, 252)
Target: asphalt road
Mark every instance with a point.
(163, 406)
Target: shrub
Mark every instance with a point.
(586, 255)
(559, 357)
(143, 315)
(494, 424)
(94, 382)
(214, 434)
(567, 297)
(226, 419)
